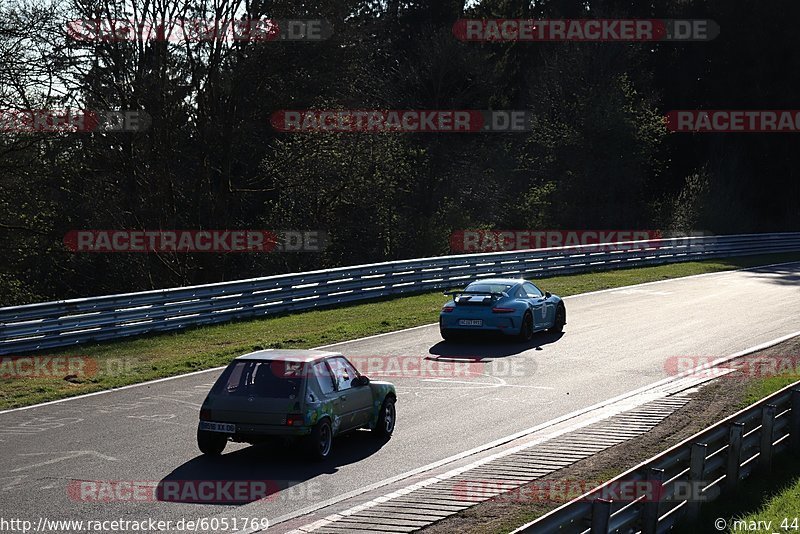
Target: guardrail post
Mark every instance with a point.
(697, 468)
(650, 509)
(601, 516)
(734, 456)
(767, 422)
(794, 422)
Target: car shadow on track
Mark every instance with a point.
(479, 347)
(259, 471)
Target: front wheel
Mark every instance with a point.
(526, 330)
(560, 320)
(321, 440)
(386, 419)
(211, 443)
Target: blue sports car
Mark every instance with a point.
(513, 307)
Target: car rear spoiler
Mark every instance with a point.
(455, 293)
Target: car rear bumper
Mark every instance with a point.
(250, 431)
(506, 325)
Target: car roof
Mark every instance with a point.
(509, 281)
(293, 355)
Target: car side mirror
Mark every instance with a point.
(547, 295)
(360, 381)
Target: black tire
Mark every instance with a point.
(448, 335)
(526, 330)
(387, 418)
(211, 443)
(560, 321)
(320, 441)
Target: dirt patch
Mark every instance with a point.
(710, 404)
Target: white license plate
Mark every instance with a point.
(470, 322)
(228, 428)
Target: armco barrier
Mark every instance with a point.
(713, 462)
(68, 322)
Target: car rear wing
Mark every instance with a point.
(455, 294)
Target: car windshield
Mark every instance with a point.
(482, 287)
(267, 379)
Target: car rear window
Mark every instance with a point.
(487, 288)
(266, 379)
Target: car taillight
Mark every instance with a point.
(503, 310)
(205, 414)
(448, 308)
(294, 419)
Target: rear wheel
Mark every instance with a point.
(386, 419)
(526, 330)
(211, 443)
(448, 335)
(321, 440)
(560, 321)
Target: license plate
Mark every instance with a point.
(227, 428)
(470, 322)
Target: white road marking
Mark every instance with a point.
(644, 292)
(496, 385)
(165, 397)
(69, 455)
(16, 480)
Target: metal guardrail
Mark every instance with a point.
(698, 470)
(70, 322)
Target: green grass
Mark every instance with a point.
(146, 358)
(759, 498)
(781, 509)
(766, 386)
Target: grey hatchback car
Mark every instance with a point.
(310, 395)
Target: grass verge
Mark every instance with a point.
(130, 361)
(762, 504)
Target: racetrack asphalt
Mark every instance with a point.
(615, 341)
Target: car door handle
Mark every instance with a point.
(343, 397)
